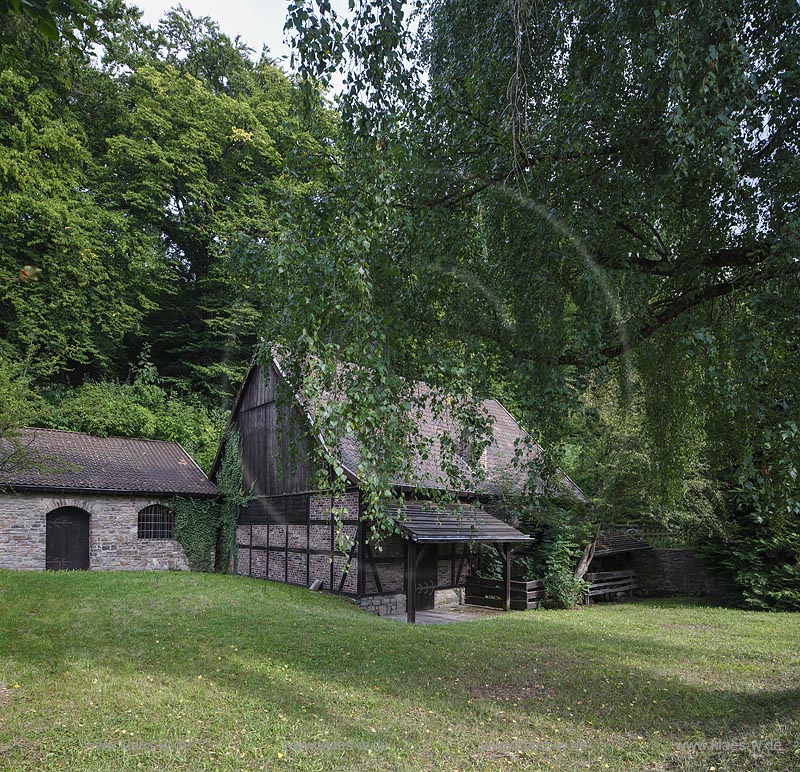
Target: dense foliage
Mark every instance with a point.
(131, 170)
(587, 210)
(196, 528)
(144, 407)
(543, 199)
(232, 495)
(206, 528)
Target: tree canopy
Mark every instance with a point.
(130, 174)
(551, 196)
(586, 209)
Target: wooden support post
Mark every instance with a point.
(360, 534)
(507, 576)
(504, 550)
(411, 582)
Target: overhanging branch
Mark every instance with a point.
(679, 305)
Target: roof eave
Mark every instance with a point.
(422, 489)
(100, 491)
(464, 540)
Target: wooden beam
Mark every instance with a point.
(464, 553)
(507, 576)
(374, 567)
(505, 555)
(346, 567)
(361, 584)
(411, 582)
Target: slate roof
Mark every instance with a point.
(497, 461)
(617, 539)
(72, 461)
(436, 523)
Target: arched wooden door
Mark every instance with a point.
(67, 546)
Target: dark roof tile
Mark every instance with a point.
(429, 522)
(75, 461)
(505, 461)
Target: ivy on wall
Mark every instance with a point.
(206, 528)
(230, 484)
(196, 522)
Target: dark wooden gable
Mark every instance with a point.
(276, 446)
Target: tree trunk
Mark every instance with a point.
(586, 558)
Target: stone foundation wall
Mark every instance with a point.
(677, 572)
(384, 605)
(453, 596)
(113, 529)
(389, 605)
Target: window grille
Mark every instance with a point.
(156, 522)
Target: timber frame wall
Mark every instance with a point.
(287, 533)
(292, 539)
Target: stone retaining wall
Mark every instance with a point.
(453, 596)
(384, 605)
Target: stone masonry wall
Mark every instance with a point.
(113, 529)
(384, 605)
(452, 596)
(677, 572)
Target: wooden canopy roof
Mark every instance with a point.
(427, 523)
(617, 539)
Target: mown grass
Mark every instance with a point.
(131, 671)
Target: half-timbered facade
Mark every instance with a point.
(288, 532)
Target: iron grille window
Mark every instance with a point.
(156, 522)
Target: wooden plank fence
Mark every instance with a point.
(491, 592)
(605, 586)
(611, 585)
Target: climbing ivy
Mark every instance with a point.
(196, 523)
(230, 484)
(205, 525)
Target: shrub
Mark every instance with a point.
(561, 553)
(139, 409)
(762, 555)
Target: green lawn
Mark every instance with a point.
(118, 671)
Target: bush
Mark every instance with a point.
(139, 409)
(762, 555)
(561, 553)
(17, 404)
(560, 529)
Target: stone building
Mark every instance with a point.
(84, 502)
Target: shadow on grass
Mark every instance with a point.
(556, 664)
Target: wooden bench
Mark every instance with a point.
(611, 585)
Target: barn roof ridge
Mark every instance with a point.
(505, 430)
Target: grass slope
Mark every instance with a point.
(131, 671)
